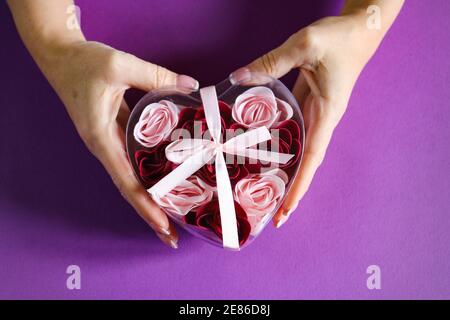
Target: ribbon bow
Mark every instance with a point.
(192, 154)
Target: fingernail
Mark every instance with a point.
(173, 244)
(289, 212)
(285, 216)
(240, 75)
(160, 230)
(168, 240)
(187, 82)
(282, 220)
(164, 231)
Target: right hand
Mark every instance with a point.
(91, 79)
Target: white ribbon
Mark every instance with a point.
(192, 154)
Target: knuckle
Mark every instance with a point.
(307, 38)
(114, 61)
(160, 76)
(114, 57)
(268, 62)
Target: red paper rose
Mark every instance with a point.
(288, 141)
(235, 171)
(153, 164)
(208, 217)
(190, 117)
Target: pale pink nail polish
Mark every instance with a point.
(173, 244)
(282, 220)
(288, 213)
(168, 240)
(187, 82)
(240, 75)
(285, 216)
(164, 231)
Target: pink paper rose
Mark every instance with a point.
(156, 123)
(187, 196)
(260, 194)
(259, 107)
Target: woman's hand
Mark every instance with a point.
(331, 54)
(91, 79)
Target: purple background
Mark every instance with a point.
(381, 197)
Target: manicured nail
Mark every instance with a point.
(173, 244)
(240, 75)
(282, 220)
(160, 230)
(289, 212)
(187, 82)
(285, 216)
(168, 240)
(164, 231)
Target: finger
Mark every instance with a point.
(122, 115)
(275, 63)
(311, 81)
(113, 156)
(148, 76)
(317, 140)
(301, 90)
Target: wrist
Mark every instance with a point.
(365, 37)
(46, 27)
(50, 51)
(55, 60)
(53, 55)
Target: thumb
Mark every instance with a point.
(275, 63)
(147, 76)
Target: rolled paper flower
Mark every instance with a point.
(208, 217)
(260, 194)
(236, 172)
(287, 140)
(186, 197)
(156, 123)
(259, 107)
(153, 164)
(193, 120)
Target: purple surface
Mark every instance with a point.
(381, 197)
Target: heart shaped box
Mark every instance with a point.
(255, 184)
